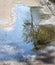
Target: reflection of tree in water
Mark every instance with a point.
(27, 30)
(42, 37)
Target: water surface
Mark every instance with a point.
(12, 44)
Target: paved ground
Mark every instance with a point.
(20, 63)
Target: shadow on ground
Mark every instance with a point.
(47, 59)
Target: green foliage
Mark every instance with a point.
(44, 35)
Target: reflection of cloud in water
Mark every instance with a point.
(8, 49)
(8, 29)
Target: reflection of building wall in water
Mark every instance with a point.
(35, 15)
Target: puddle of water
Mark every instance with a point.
(12, 45)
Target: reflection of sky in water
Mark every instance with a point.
(21, 13)
(11, 43)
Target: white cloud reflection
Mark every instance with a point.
(8, 29)
(8, 49)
